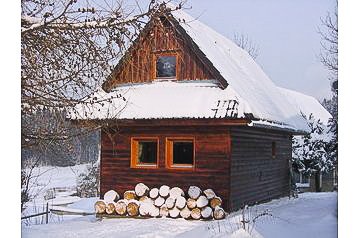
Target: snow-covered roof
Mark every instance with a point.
(307, 105)
(248, 86)
(157, 100)
(242, 73)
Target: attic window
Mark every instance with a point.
(166, 66)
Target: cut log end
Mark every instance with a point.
(180, 202)
(164, 191)
(129, 195)
(195, 213)
(209, 193)
(191, 203)
(206, 212)
(164, 211)
(202, 201)
(185, 213)
(133, 208)
(141, 190)
(194, 192)
(159, 201)
(121, 207)
(215, 202)
(174, 213)
(219, 213)
(100, 207)
(176, 192)
(111, 196)
(110, 208)
(154, 193)
(144, 209)
(170, 202)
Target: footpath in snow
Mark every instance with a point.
(312, 215)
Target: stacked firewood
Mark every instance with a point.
(162, 202)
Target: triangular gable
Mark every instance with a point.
(221, 60)
(162, 35)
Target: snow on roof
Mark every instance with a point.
(307, 105)
(157, 100)
(249, 89)
(241, 72)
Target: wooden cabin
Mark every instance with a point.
(187, 106)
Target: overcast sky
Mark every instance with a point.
(284, 30)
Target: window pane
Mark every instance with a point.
(166, 66)
(183, 152)
(147, 152)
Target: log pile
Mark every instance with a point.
(162, 202)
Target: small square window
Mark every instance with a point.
(166, 66)
(180, 152)
(144, 152)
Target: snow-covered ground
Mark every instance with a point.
(311, 215)
(45, 180)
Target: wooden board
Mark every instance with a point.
(256, 175)
(211, 160)
(138, 64)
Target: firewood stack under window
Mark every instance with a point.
(173, 202)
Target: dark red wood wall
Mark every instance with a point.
(211, 160)
(255, 175)
(138, 65)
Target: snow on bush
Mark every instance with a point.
(88, 182)
(311, 152)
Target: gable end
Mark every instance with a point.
(162, 35)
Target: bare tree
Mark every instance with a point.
(329, 43)
(246, 43)
(329, 58)
(67, 49)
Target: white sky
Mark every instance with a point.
(286, 32)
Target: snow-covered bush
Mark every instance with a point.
(311, 153)
(88, 182)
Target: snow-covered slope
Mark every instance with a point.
(241, 72)
(307, 105)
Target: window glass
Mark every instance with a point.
(147, 152)
(183, 153)
(166, 67)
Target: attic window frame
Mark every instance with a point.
(169, 142)
(154, 65)
(134, 153)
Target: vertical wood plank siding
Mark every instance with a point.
(255, 175)
(138, 65)
(211, 160)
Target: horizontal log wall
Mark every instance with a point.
(255, 175)
(211, 160)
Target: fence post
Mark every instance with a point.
(46, 213)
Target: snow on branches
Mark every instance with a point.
(69, 47)
(310, 152)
